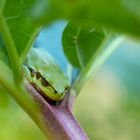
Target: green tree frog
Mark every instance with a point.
(45, 75)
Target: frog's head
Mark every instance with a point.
(51, 89)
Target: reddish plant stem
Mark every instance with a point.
(59, 122)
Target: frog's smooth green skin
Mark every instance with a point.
(42, 63)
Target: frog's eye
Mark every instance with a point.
(66, 88)
(38, 75)
(44, 82)
(32, 72)
(55, 91)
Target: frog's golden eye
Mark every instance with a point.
(32, 72)
(38, 75)
(66, 88)
(44, 82)
(55, 91)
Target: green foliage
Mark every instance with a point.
(111, 98)
(2, 3)
(3, 53)
(17, 34)
(17, 31)
(17, 16)
(80, 43)
(115, 15)
(4, 98)
(15, 122)
(85, 42)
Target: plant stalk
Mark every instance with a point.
(20, 95)
(59, 122)
(11, 49)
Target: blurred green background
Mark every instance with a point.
(108, 107)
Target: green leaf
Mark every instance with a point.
(109, 45)
(115, 15)
(80, 43)
(2, 3)
(3, 53)
(133, 6)
(17, 15)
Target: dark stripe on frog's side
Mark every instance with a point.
(38, 76)
(49, 100)
(44, 82)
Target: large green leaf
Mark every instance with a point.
(81, 42)
(117, 15)
(17, 15)
(2, 2)
(133, 6)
